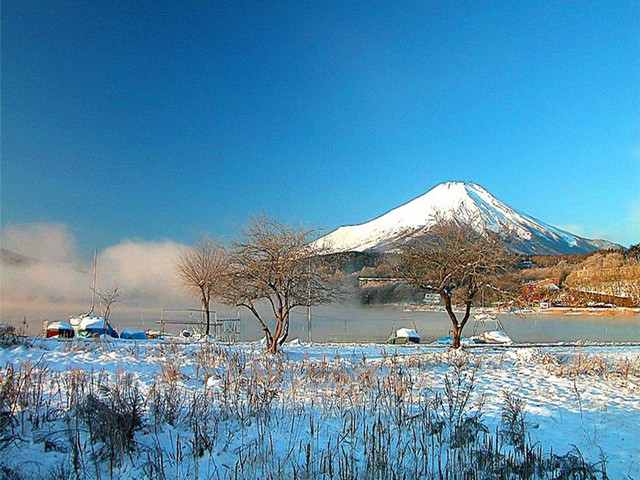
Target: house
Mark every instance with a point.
(539, 290)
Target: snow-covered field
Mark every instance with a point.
(158, 409)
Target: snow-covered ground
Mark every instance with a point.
(214, 411)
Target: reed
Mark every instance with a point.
(216, 412)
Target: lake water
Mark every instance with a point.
(354, 323)
(345, 323)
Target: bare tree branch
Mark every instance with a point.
(277, 264)
(457, 260)
(202, 269)
(108, 298)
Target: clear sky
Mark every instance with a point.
(152, 120)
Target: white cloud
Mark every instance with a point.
(58, 283)
(145, 269)
(45, 241)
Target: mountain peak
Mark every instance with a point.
(461, 188)
(451, 200)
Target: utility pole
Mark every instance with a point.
(309, 304)
(93, 282)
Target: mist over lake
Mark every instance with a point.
(345, 323)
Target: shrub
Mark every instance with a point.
(114, 416)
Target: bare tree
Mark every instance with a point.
(458, 262)
(277, 265)
(108, 298)
(202, 270)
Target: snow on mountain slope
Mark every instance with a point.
(449, 200)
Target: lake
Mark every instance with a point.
(355, 323)
(348, 323)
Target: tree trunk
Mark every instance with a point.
(206, 299)
(205, 305)
(273, 347)
(457, 329)
(285, 330)
(457, 333)
(265, 328)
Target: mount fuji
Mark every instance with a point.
(447, 201)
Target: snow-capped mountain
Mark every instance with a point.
(448, 200)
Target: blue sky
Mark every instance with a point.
(154, 120)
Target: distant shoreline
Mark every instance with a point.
(598, 311)
(613, 311)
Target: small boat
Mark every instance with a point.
(403, 336)
(496, 336)
(130, 334)
(153, 334)
(91, 325)
(59, 330)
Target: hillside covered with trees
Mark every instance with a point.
(606, 277)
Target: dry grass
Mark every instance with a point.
(242, 414)
(617, 370)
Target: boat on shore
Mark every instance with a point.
(92, 325)
(404, 335)
(84, 325)
(58, 330)
(497, 335)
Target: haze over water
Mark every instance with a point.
(349, 323)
